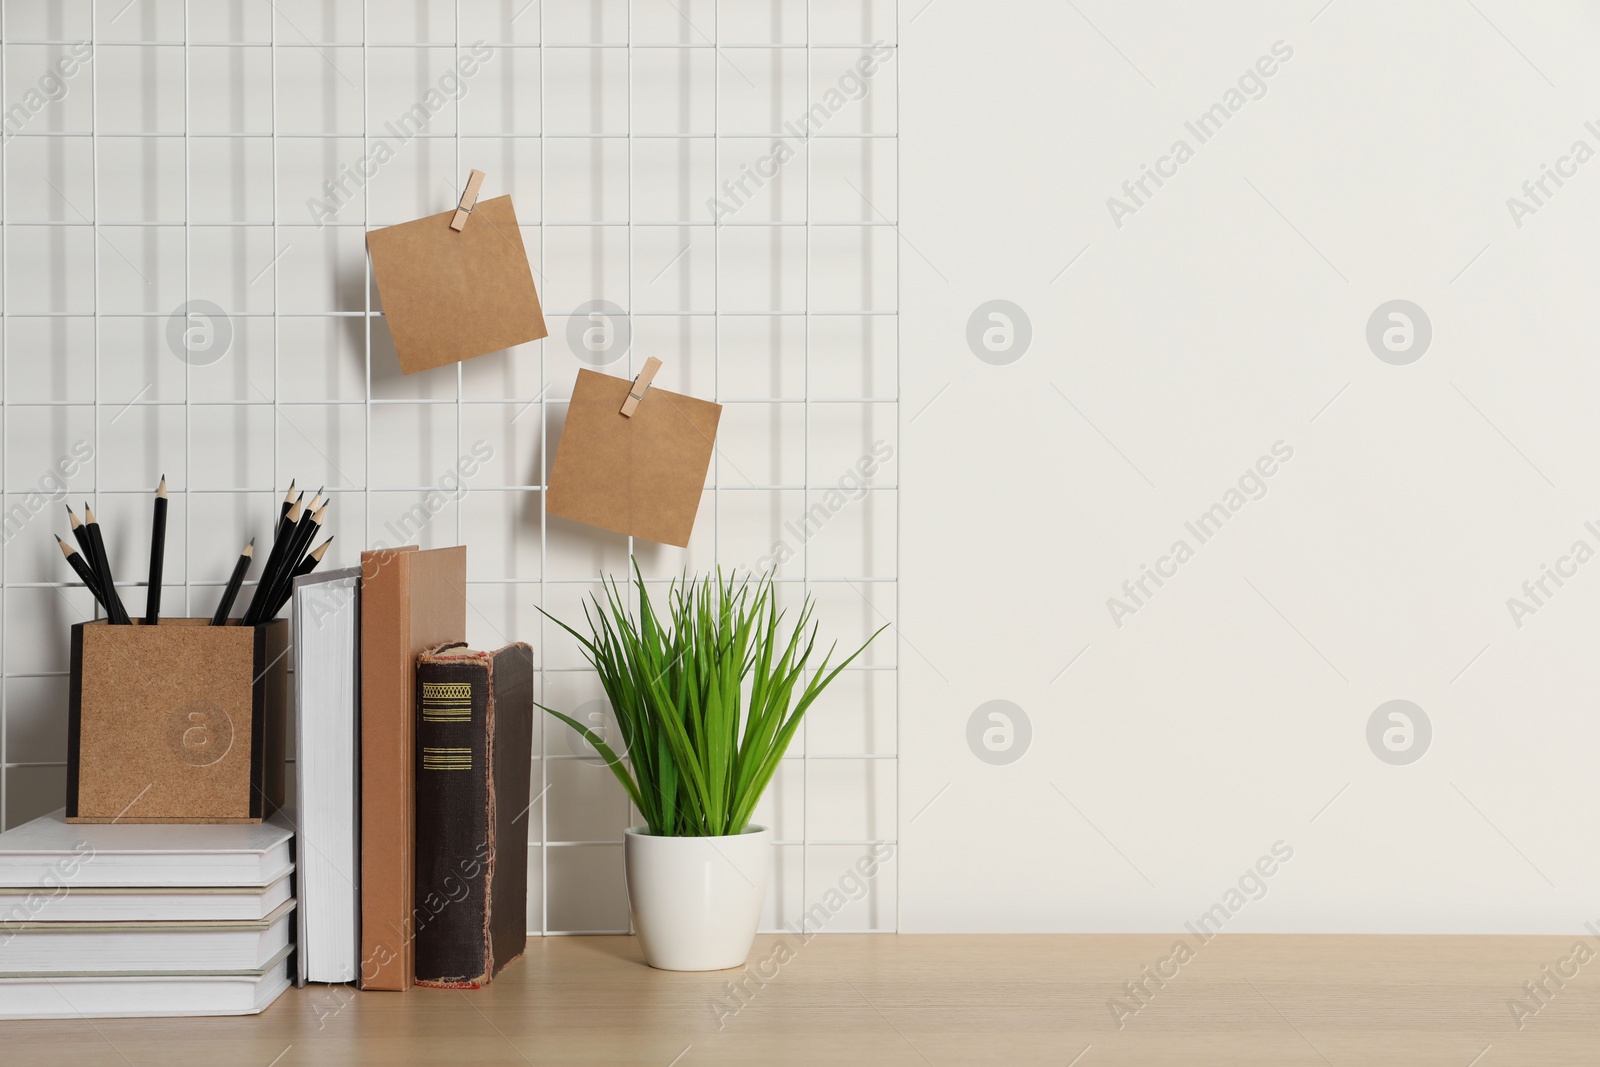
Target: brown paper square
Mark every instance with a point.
(641, 475)
(449, 296)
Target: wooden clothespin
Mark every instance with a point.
(468, 200)
(640, 385)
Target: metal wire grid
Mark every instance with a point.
(805, 580)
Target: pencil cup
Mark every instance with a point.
(177, 722)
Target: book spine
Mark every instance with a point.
(387, 769)
(511, 717)
(451, 915)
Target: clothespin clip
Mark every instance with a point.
(469, 199)
(640, 386)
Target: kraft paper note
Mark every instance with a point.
(448, 295)
(641, 475)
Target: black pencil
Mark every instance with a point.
(85, 575)
(283, 512)
(300, 538)
(102, 566)
(280, 543)
(80, 535)
(158, 552)
(306, 566)
(313, 558)
(231, 591)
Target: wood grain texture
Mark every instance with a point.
(877, 999)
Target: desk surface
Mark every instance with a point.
(1239, 1000)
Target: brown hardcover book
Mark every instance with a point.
(410, 601)
(474, 762)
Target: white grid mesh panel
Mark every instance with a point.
(236, 153)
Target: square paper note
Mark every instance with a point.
(450, 296)
(640, 475)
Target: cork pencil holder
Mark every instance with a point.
(177, 722)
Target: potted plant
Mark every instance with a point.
(706, 702)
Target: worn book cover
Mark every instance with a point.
(474, 761)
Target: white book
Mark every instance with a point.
(35, 949)
(94, 996)
(112, 904)
(50, 852)
(327, 658)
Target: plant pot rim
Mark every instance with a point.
(644, 831)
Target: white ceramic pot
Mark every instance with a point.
(697, 900)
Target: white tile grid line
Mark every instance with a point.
(544, 523)
(425, 136)
(634, 816)
(530, 46)
(5, 718)
(898, 439)
(188, 368)
(805, 497)
(807, 580)
(855, 667)
(585, 224)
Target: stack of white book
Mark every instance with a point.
(119, 920)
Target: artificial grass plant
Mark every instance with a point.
(700, 759)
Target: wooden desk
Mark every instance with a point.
(840, 999)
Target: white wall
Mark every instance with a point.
(178, 162)
(1227, 313)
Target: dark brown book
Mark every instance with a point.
(410, 601)
(474, 761)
